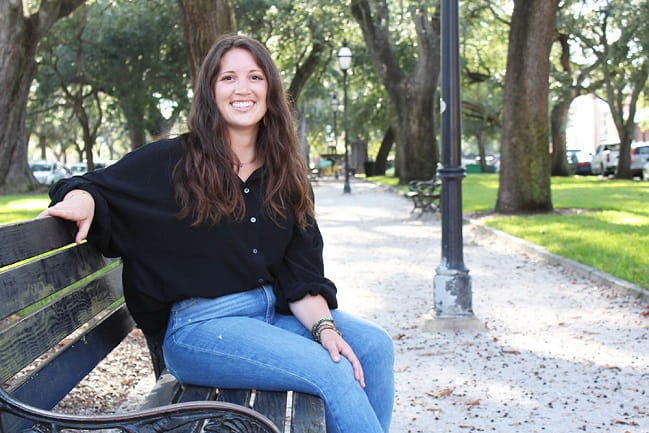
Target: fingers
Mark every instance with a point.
(356, 364)
(337, 346)
(77, 206)
(84, 227)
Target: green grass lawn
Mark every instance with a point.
(15, 208)
(599, 222)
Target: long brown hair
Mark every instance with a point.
(206, 186)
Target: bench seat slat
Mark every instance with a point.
(236, 396)
(33, 335)
(272, 404)
(307, 414)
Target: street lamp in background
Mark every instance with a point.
(345, 61)
(334, 108)
(452, 284)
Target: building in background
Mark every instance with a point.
(590, 124)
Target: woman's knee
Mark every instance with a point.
(372, 340)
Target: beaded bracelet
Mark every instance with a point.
(321, 325)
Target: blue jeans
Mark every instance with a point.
(239, 341)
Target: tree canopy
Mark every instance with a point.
(111, 74)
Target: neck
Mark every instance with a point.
(243, 146)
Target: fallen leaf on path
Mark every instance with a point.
(621, 421)
(473, 402)
(511, 351)
(443, 393)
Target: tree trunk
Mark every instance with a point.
(413, 94)
(302, 133)
(19, 38)
(203, 22)
(384, 151)
(558, 123)
(482, 151)
(623, 110)
(525, 164)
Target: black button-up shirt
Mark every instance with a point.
(166, 260)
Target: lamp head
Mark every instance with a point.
(344, 57)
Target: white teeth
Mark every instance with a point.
(242, 104)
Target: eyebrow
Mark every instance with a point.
(232, 71)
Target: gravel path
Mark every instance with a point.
(558, 353)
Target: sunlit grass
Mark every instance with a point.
(15, 208)
(598, 222)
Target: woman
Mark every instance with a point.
(222, 252)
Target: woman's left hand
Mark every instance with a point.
(336, 345)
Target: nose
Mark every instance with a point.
(242, 87)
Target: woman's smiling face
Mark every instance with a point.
(240, 90)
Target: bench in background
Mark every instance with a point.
(425, 194)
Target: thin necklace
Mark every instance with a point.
(241, 164)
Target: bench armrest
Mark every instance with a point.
(221, 415)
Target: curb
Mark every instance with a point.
(572, 266)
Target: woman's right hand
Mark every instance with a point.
(78, 206)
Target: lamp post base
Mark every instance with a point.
(431, 323)
(453, 307)
(347, 189)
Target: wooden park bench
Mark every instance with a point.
(425, 194)
(62, 312)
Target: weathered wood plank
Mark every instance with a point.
(272, 404)
(30, 238)
(25, 284)
(307, 414)
(236, 396)
(33, 335)
(47, 385)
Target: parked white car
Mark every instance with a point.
(48, 172)
(605, 159)
(79, 168)
(639, 158)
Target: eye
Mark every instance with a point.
(259, 77)
(227, 77)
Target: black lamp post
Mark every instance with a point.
(345, 61)
(452, 285)
(334, 108)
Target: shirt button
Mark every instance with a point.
(246, 190)
(260, 280)
(253, 220)
(255, 250)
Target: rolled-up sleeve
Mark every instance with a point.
(302, 270)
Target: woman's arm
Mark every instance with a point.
(310, 310)
(78, 206)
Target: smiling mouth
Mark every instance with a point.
(242, 104)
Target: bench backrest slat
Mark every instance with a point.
(31, 336)
(61, 311)
(30, 238)
(25, 284)
(70, 366)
